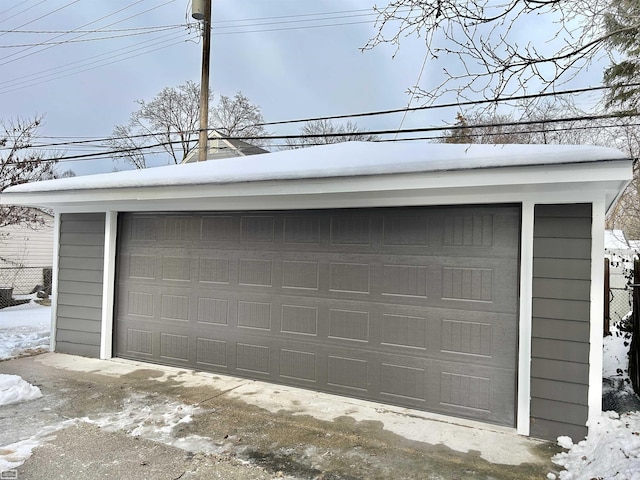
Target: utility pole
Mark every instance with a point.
(201, 10)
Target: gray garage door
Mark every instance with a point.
(412, 306)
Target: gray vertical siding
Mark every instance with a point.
(560, 324)
(80, 284)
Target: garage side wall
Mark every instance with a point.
(80, 280)
(560, 323)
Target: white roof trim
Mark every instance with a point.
(350, 159)
(348, 175)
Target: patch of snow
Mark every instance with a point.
(137, 417)
(615, 240)
(615, 353)
(610, 451)
(336, 160)
(13, 389)
(15, 454)
(494, 444)
(24, 327)
(565, 442)
(156, 422)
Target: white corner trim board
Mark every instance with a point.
(108, 284)
(523, 422)
(597, 308)
(54, 282)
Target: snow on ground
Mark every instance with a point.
(15, 454)
(615, 359)
(155, 422)
(140, 416)
(611, 451)
(23, 328)
(612, 448)
(13, 389)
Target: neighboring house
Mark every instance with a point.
(464, 280)
(219, 147)
(24, 252)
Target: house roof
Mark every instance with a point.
(615, 240)
(226, 147)
(344, 169)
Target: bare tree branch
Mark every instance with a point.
(481, 45)
(20, 163)
(330, 133)
(172, 119)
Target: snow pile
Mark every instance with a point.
(24, 328)
(13, 389)
(610, 451)
(615, 353)
(612, 448)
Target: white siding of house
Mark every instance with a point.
(22, 249)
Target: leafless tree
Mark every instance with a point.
(322, 132)
(626, 213)
(531, 123)
(171, 121)
(171, 116)
(238, 117)
(482, 45)
(21, 163)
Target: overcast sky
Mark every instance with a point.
(293, 58)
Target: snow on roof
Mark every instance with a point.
(635, 245)
(615, 240)
(336, 160)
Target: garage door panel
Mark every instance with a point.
(472, 391)
(212, 353)
(414, 306)
(479, 339)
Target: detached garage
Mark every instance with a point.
(463, 280)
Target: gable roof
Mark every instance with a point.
(220, 146)
(425, 170)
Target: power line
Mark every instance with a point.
(346, 134)
(17, 83)
(373, 113)
(284, 29)
(448, 105)
(20, 12)
(99, 30)
(300, 15)
(43, 16)
(85, 40)
(125, 52)
(85, 25)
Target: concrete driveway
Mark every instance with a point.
(128, 420)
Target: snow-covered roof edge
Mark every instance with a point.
(615, 240)
(337, 160)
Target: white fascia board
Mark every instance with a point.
(540, 183)
(433, 187)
